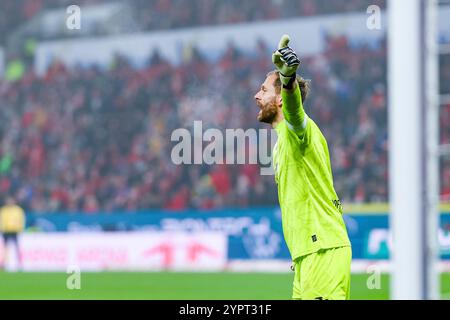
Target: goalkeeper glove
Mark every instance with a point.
(286, 61)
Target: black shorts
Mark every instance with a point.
(10, 236)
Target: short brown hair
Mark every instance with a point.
(303, 84)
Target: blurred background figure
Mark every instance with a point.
(12, 223)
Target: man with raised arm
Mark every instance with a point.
(313, 225)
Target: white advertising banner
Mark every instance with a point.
(98, 251)
(307, 31)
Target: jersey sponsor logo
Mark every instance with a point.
(337, 204)
(314, 238)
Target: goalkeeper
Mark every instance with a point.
(313, 226)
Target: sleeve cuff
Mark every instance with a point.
(298, 128)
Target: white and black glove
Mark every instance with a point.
(286, 61)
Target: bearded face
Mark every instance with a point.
(268, 100)
(268, 112)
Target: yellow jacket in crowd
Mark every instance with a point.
(12, 219)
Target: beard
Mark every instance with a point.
(268, 113)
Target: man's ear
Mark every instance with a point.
(280, 101)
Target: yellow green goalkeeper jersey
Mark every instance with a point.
(311, 210)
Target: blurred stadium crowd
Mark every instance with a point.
(92, 140)
(89, 139)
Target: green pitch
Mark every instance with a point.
(174, 286)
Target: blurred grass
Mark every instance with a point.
(174, 286)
